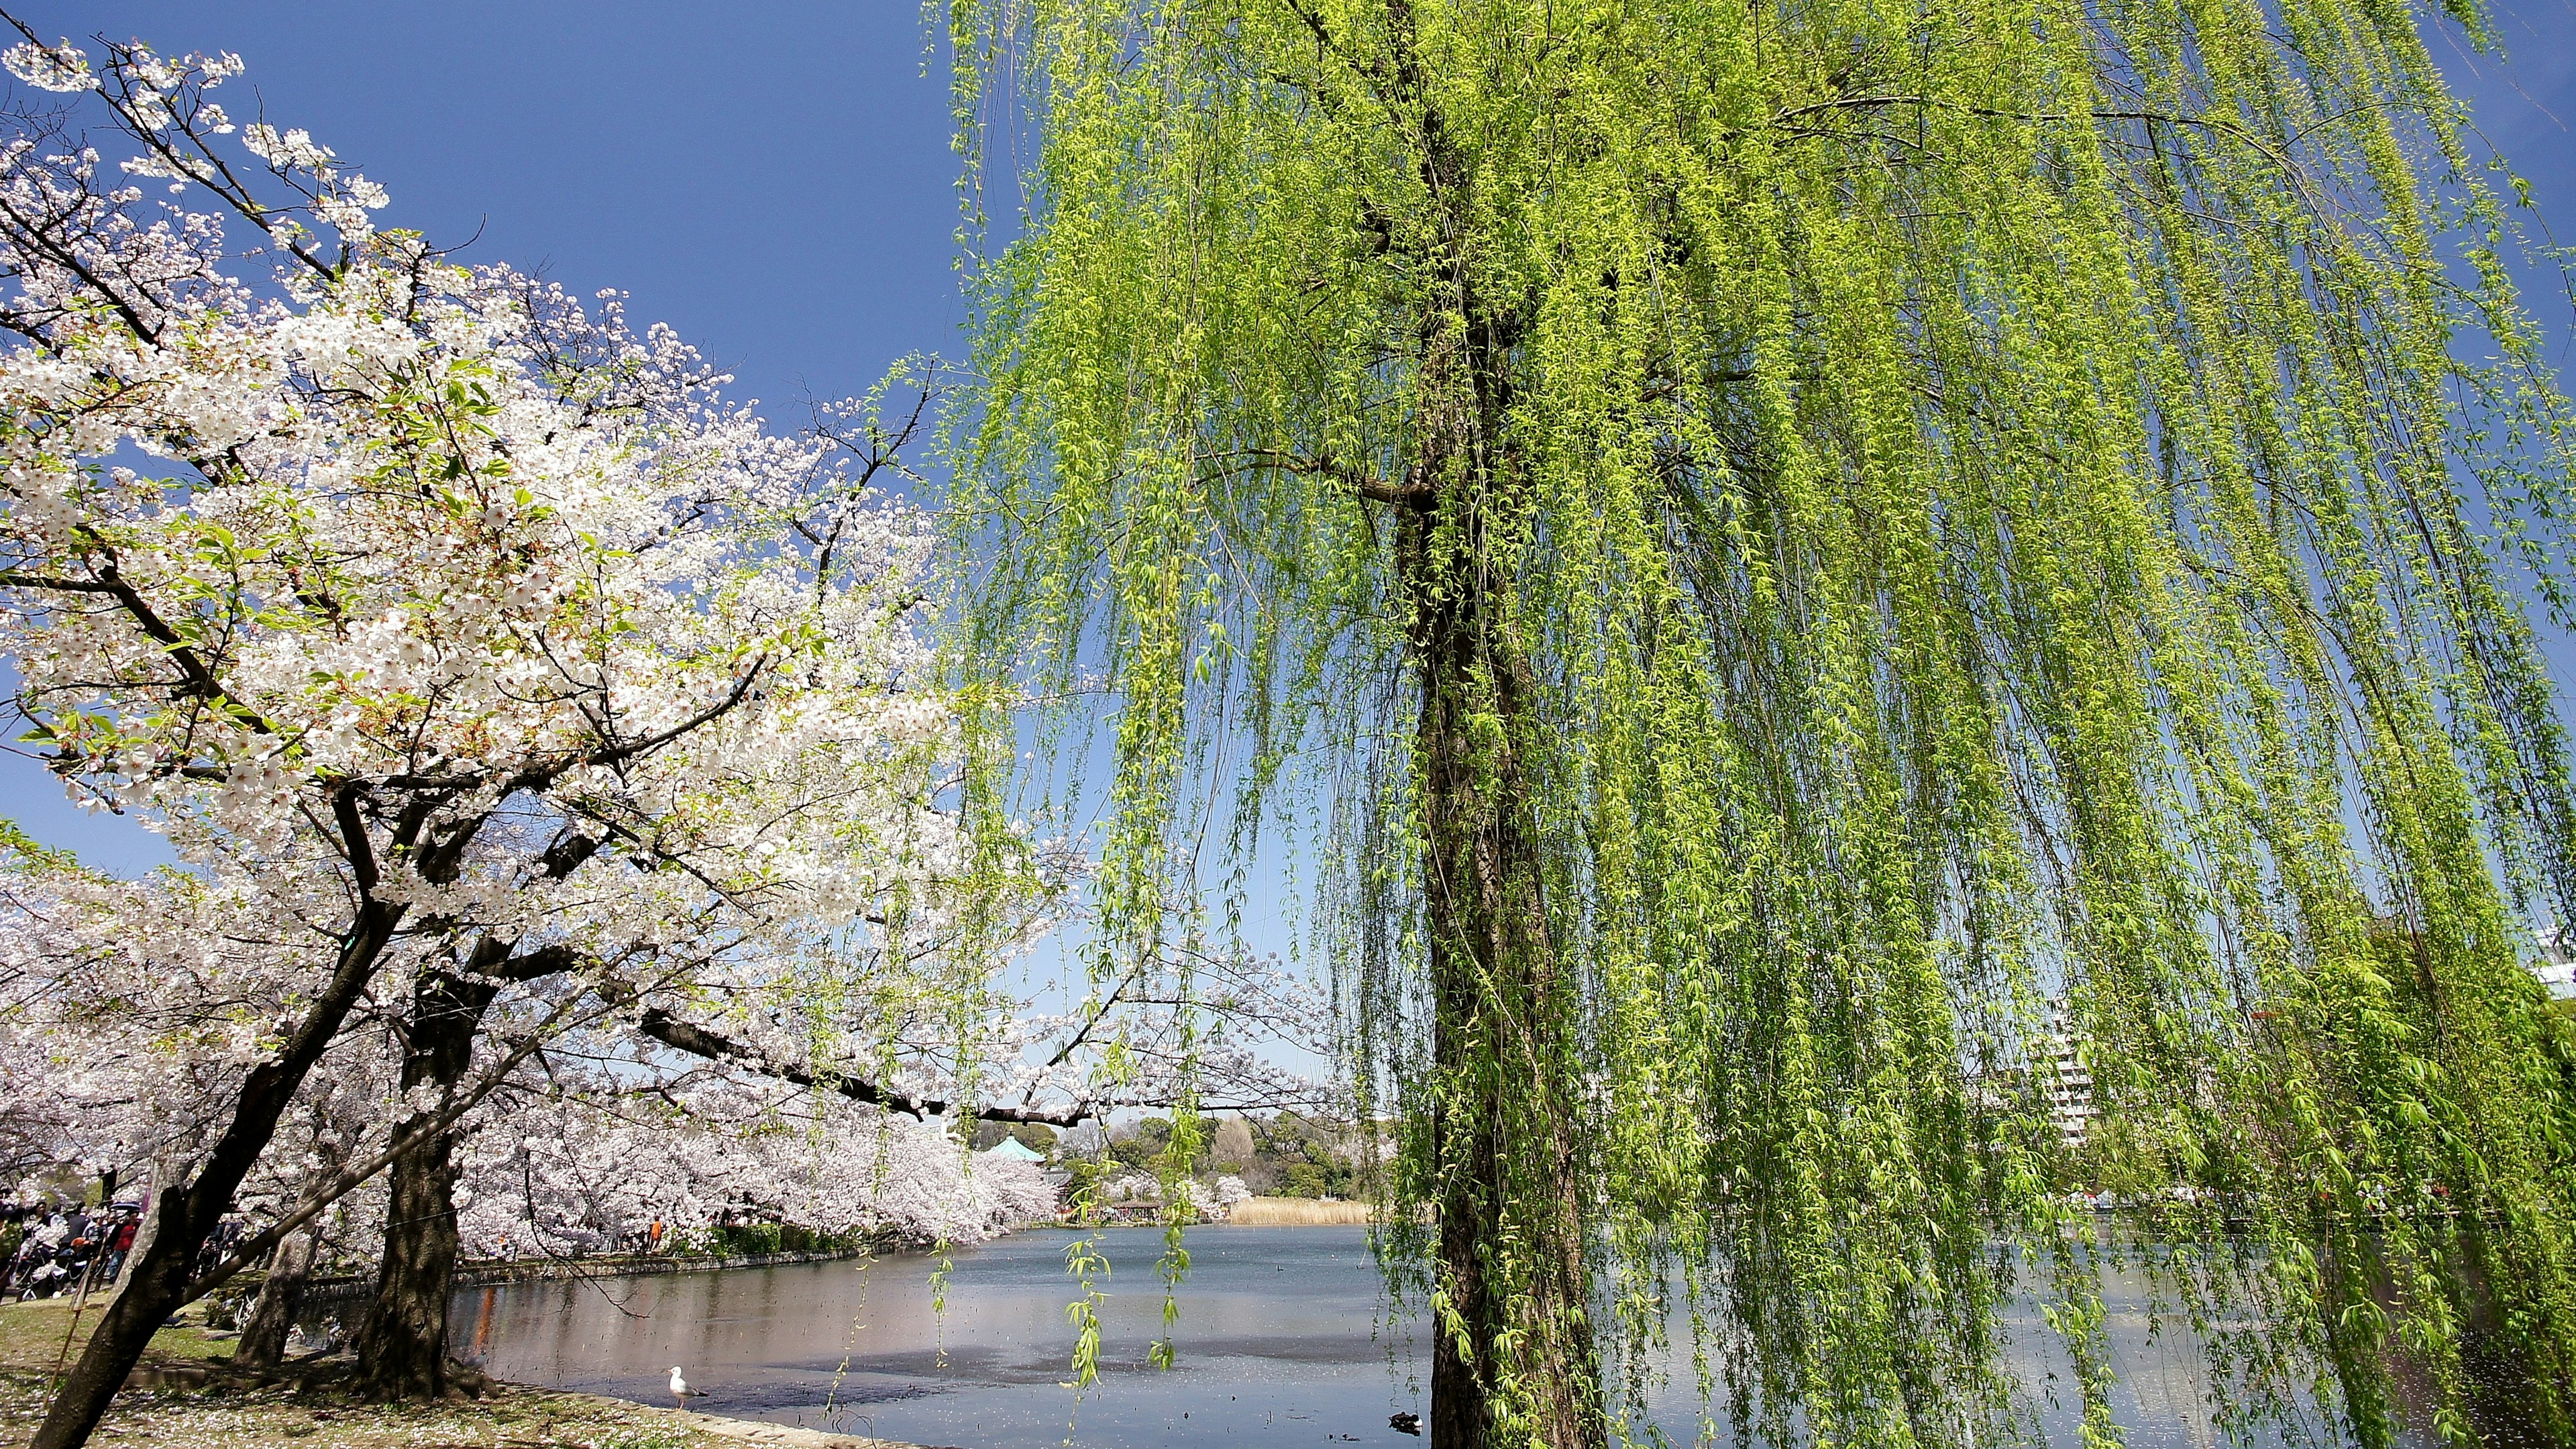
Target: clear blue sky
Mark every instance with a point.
(773, 179)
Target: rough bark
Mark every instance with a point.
(402, 1347)
(1513, 1357)
(187, 1212)
(402, 1344)
(281, 1293)
(1510, 1251)
(281, 1300)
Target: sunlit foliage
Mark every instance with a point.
(1897, 537)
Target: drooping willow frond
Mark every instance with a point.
(2012, 532)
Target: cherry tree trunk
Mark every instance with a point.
(185, 1213)
(281, 1299)
(281, 1293)
(165, 1168)
(402, 1345)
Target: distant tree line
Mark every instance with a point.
(1277, 1154)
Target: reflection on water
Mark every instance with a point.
(1282, 1337)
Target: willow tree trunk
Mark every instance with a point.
(1517, 1335)
(402, 1345)
(1513, 1358)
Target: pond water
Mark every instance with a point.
(1283, 1341)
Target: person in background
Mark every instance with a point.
(119, 1243)
(22, 1260)
(82, 1247)
(228, 1231)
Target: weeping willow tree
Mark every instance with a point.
(1900, 610)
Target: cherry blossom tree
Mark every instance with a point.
(605, 1160)
(513, 701)
(471, 643)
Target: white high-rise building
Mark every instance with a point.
(2557, 968)
(2069, 1085)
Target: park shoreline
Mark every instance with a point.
(186, 1391)
(1259, 1212)
(501, 1272)
(1300, 1212)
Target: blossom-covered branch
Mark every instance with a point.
(470, 640)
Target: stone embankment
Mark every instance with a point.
(495, 1272)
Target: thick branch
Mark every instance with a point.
(715, 1046)
(1414, 492)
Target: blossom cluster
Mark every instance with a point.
(438, 617)
(592, 1173)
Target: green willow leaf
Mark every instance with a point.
(1833, 587)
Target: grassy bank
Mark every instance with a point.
(1299, 1212)
(188, 1396)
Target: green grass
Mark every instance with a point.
(31, 1335)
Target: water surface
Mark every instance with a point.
(1283, 1337)
(1281, 1343)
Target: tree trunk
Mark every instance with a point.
(167, 1167)
(281, 1300)
(1516, 1363)
(184, 1214)
(281, 1293)
(1513, 1358)
(402, 1346)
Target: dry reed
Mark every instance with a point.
(1298, 1212)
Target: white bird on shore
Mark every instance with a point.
(680, 1387)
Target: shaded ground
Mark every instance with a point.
(188, 1396)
